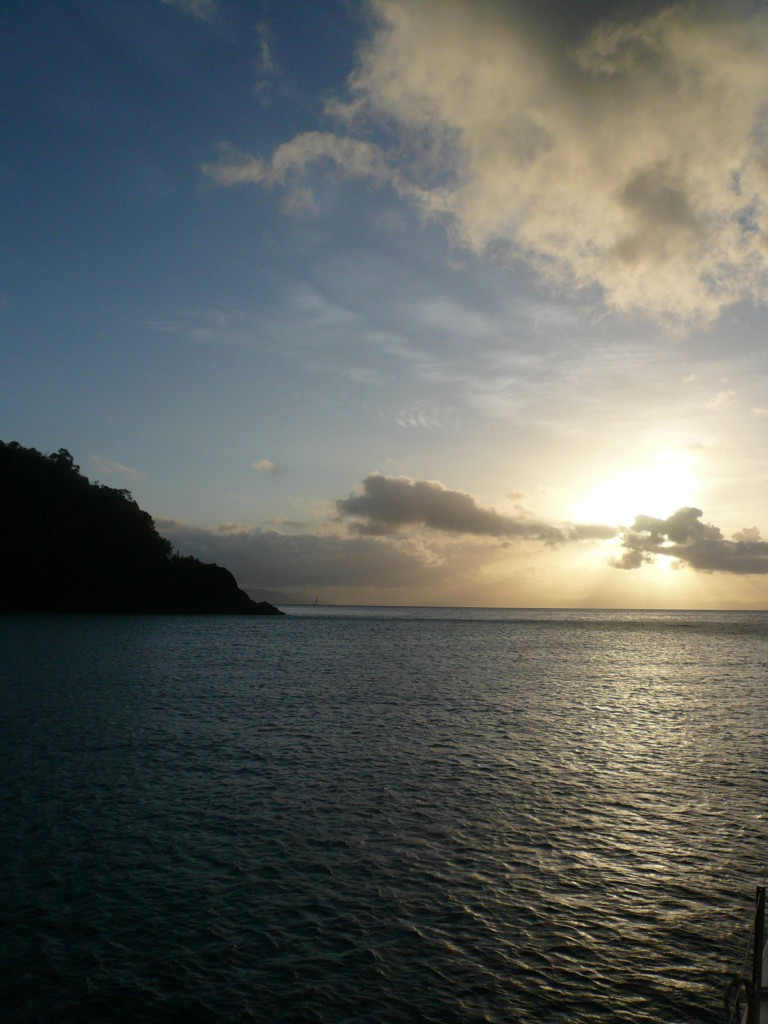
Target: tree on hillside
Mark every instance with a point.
(67, 544)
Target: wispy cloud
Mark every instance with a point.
(724, 397)
(355, 157)
(635, 163)
(203, 9)
(265, 63)
(108, 467)
(207, 326)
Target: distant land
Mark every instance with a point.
(69, 545)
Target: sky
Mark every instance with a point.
(398, 301)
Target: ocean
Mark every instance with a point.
(369, 815)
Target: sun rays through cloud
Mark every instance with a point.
(457, 302)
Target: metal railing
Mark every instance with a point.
(744, 994)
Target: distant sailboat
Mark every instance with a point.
(315, 604)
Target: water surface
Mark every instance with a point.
(368, 815)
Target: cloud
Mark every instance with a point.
(262, 558)
(355, 157)
(210, 326)
(379, 558)
(465, 557)
(692, 543)
(382, 505)
(204, 9)
(634, 162)
(265, 64)
(724, 397)
(265, 466)
(108, 467)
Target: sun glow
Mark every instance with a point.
(657, 488)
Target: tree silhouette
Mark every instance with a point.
(67, 544)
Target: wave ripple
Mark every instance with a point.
(405, 817)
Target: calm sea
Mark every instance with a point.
(353, 815)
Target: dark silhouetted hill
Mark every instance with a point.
(69, 545)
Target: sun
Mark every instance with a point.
(656, 488)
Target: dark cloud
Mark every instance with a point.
(565, 23)
(385, 504)
(380, 564)
(701, 546)
(377, 557)
(588, 531)
(262, 558)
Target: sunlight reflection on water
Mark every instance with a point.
(365, 816)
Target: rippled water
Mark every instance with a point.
(380, 816)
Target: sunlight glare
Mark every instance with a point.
(656, 488)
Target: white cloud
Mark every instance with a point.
(265, 466)
(636, 163)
